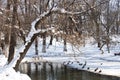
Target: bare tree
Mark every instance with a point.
(71, 20)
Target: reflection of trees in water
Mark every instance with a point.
(29, 69)
(52, 71)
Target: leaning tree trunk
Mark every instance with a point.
(22, 54)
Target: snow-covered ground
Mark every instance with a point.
(10, 73)
(89, 57)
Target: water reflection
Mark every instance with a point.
(49, 71)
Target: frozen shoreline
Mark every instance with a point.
(100, 66)
(88, 58)
(9, 73)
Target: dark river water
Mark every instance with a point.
(55, 71)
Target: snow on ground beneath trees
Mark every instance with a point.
(87, 57)
(10, 73)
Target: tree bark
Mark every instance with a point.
(65, 45)
(36, 46)
(51, 39)
(98, 34)
(13, 34)
(44, 43)
(11, 47)
(7, 33)
(22, 54)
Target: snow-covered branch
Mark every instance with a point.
(19, 55)
(63, 11)
(51, 5)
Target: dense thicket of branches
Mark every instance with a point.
(96, 18)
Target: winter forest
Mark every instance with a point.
(82, 34)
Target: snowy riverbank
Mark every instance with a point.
(10, 73)
(89, 57)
